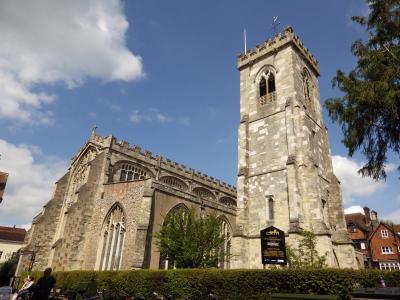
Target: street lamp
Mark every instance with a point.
(32, 253)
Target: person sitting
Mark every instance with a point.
(25, 289)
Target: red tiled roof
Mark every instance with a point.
(357, 219)
(12, 234)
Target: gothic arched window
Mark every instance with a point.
(224, 260)
(129, 172)
(263, 87)
(307, 87)
(166, 262)
(267, 88)
(113, 234)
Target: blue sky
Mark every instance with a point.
(159, 74)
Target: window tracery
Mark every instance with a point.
(225, 251)
(266, 87)
(204, 193)
(174, 182)
(129, 172)
(228, 201)
(113, 234)
(80, 174)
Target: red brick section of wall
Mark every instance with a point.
(378, 240)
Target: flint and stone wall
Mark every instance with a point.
(68, 233)
(284, 157)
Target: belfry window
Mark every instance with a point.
(271, 83)
(307, 87)
(263, 87)
(267, 88)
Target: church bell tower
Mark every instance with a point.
(285, 177)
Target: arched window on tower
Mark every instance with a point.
(307, 88)
(263, 87)
(267, 88)
(113, 233)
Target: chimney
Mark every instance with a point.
(367, 215)
(374, 216)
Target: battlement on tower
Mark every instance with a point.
(271, 46)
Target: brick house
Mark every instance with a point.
(377, 242)
(384, 245)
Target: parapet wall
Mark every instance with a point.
(272, 46)
(172, 166)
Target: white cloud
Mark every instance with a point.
(354, 209)
(30, 183)
(352, 183)
(45, 42)
(162, 118)
(152, 115)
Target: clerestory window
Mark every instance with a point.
(130, 172)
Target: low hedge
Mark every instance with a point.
(226, 284)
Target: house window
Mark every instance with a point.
(384, 233)
(353, 229)
(389, 266)
(387, 250)
(1, 254)
(362, 246)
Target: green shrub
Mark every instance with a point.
(226, 284)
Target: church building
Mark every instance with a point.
(114, 197)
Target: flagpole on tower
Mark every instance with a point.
(245, 41)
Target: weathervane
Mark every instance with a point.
(275, 24)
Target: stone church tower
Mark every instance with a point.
(285, 175)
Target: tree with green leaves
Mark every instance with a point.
(7, 269)
(306, 254)
(369, 110)
(190, 242)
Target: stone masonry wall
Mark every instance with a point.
(69, 248)
(41, 235)
(129, 196)
(284, 155)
